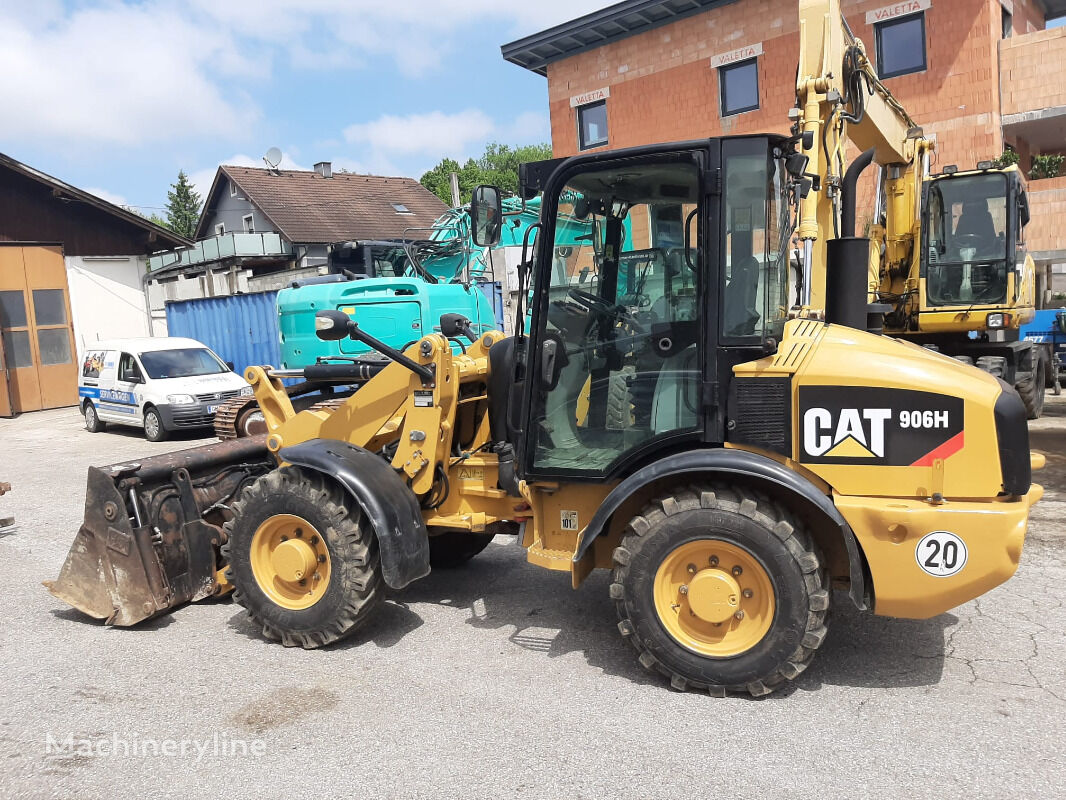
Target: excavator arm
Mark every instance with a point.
(840, 100)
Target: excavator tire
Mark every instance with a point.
(993, 365)
(1030, 387)
(750, 569)
(303, 559)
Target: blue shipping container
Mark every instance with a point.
(241, 328)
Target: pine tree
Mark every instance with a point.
(183, 206)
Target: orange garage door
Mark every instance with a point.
(35, 326)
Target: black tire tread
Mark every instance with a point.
(772, 516)
(350, 540)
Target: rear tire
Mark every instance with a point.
(92, 419)
(783, 591)
(154, 430)
(454, 548)
(993, 365)
(1030, 388)
(353, 585)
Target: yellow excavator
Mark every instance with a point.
(759, 462)
(947, 265)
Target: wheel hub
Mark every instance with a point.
(713, 595)
(290, 561)
(293, 560)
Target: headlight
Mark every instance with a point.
(246, 391)
(995, 320)
(181, 399)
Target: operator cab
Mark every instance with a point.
(678, 270)
(972, 226)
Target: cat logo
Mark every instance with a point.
(857, 433)
(885, 427)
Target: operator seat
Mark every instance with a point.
(976, 220)
(739, 313)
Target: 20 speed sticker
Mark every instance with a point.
(941, 554)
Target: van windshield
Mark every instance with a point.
(182, 363)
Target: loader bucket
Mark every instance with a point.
(152, 531)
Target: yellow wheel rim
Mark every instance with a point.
(714, 598)
(290, 561)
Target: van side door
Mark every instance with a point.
(122, 400)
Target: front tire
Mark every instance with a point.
(722, 589)
(303, 559)
(154, 430)
(92, 419)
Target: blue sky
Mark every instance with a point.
(116, 97)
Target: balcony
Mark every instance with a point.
(222, 248)
(1032, 70)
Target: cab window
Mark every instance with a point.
(619, 363)
(128, 370)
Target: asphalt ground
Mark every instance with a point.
(498, 680)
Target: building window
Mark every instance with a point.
(232, 189)
(400, 208)
(900, 45)
(249, 224)
(220, 229)
(1008, 23)
(738, 85)
(592, 125)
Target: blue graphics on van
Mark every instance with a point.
(112, 400)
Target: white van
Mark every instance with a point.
(160, 384)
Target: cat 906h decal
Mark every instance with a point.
(886, 427)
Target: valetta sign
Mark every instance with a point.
(590, 97)
(740, 54)
(897, 10)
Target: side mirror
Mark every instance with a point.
(332, 325)
(231, 366)
(486, 214)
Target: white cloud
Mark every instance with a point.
(110, 197)
(436, 131)
(118, 75)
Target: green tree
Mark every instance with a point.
(498, 165)
(183, 206)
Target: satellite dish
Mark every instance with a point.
(273, 157)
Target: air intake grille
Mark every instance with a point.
(760, 413)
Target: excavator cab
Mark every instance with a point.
(972, 235)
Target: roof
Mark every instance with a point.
(144, 344)
(601, 27)
(307, 208)
(155, 237)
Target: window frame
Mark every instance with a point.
(918, 16)
(725, 68)
(248, 220)
(220, 229)
(581, 143)
(232, 189)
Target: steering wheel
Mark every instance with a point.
(606, 310)
(968, 240)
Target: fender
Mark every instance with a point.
(736, 462)
(383, 496)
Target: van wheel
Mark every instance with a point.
(153, 426)
(92, 419)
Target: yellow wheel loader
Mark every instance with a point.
(762, 461)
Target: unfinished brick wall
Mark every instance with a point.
(663, 87)
(1026, 82)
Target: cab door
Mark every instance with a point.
(620, 337)
(122, 402)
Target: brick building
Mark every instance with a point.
(979, 75)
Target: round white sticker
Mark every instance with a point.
(941, 553)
